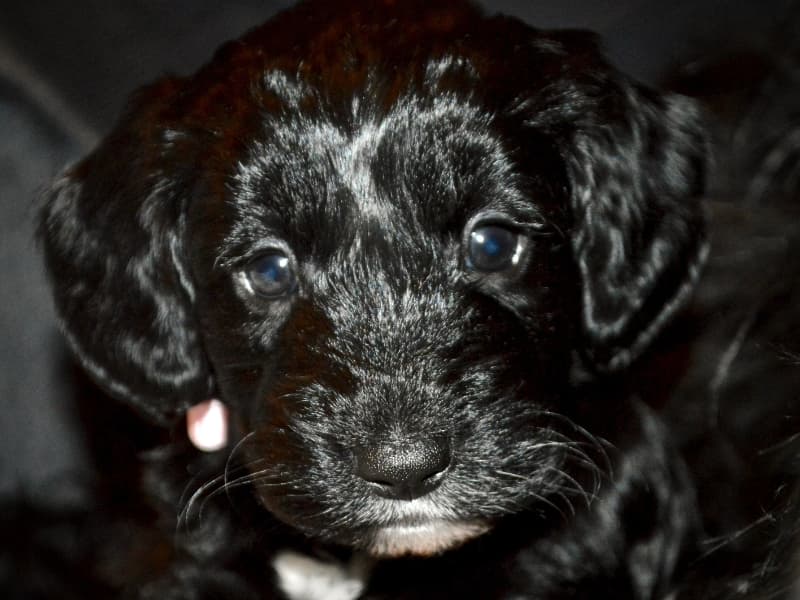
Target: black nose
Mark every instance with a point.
(404, 470)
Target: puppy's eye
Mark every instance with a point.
(492, 248)
(271, 275)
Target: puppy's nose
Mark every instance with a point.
(404, 471)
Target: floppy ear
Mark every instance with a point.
(636, 166)
(112, 230)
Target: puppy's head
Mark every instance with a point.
(385, 238)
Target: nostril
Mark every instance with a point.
(404, 470)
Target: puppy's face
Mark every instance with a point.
(387, 299)
(386, 248)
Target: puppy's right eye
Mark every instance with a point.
(271, 275)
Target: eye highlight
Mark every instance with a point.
(271, 275)
(492, 248)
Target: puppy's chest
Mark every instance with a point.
(306, 577)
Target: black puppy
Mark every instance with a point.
(412, 249)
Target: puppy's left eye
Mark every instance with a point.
(492, 248)
(271, 275)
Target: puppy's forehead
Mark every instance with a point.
(428, 159)
(408, 113)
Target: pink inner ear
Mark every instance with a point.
(207, 425)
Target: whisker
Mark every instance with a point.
(233, 452)
(209, 489)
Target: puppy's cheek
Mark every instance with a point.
(207, 425)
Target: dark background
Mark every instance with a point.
(66, 69)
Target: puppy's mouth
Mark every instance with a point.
(425, 538)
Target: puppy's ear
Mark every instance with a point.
(636, 165)
(112, 230)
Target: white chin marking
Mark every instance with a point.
(426, 539)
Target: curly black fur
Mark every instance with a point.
(365, 143)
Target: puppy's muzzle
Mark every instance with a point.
(404, 469)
